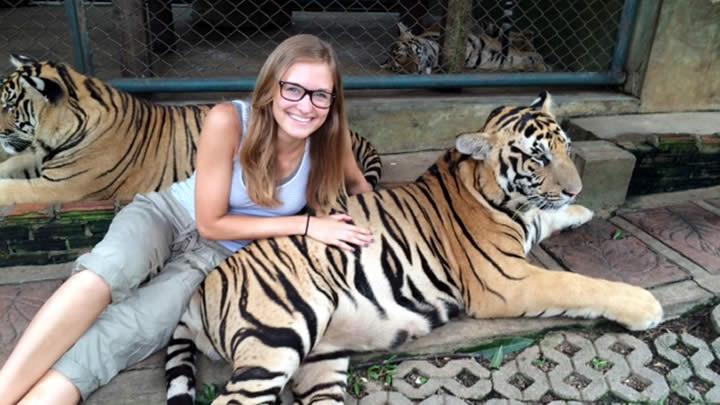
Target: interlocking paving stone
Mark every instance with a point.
(597, 387)
(443, 400)
(591, 250)
(678, 376)
(502, 378)
(385, 398)
(442, 378)
(687, 228)
(540, 384)
(700, 361)
(636, 361)
(18, 304)
(562, 370)
(620, 370)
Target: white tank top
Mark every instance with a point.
(291, 191)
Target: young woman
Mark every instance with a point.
(257, 166)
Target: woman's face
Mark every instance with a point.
(299, 119)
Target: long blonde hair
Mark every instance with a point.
(327, 144)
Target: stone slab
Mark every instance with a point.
(592, 251)
(541, 258)
(678, 298)
(24, 274)
(708, 207)
(708, 194)
(687, 228)
(612, 127)
(465, 332)
(714, 202)
(605, 170)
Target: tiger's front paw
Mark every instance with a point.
(578, 215)
(640, 310)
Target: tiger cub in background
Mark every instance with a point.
(452, 242)
(420, 54)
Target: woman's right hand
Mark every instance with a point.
(337, 230)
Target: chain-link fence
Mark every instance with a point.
(231, 38)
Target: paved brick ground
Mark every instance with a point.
(592, 250)
(667, 244)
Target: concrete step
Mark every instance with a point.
(673, 151)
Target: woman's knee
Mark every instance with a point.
(90, 285)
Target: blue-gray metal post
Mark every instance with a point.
(75, 10)
(625, 29)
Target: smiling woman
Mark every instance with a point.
(258, 164)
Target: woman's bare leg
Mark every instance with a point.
(53, 388)
(66, 315)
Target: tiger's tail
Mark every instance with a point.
(367, 157)
(180, 367)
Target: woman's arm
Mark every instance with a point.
(354, 180)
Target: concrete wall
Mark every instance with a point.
(683, 68)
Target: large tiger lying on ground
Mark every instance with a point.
(420, 54)
(73, 137)
(453, 241)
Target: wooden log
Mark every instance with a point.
(457, 26)
(134, 52)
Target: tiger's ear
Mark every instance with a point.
(476, 144)
(48, 89)
(543, 103)
(404, 31)
(21, 60)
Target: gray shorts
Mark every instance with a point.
(153, 260)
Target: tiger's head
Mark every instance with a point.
(30, 96)
(523, 158)
(412, 54)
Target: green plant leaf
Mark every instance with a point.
(618, 235)
(374, 372)
(511, 345)
(497, 358)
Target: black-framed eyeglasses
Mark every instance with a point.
(295, 92)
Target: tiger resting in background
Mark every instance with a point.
(453, 241)
(420, 54)
(72, 137)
